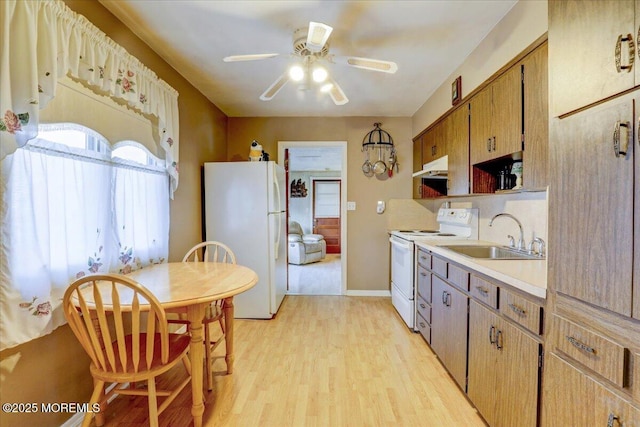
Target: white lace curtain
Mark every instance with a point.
(65, 214)
(42, 40)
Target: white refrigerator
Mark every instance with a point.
(245, 209)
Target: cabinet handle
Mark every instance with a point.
(482, 290)
(620, 144)
(422, 273)
(618, 53)
(518, 310)
(494, 144)
(448, 299)
(580, 345)
(611, 419)
(422, 324)
(492, 332)
(444, 297)
(499, 340)
(489, 145)
(422, 305)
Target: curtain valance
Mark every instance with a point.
(43, 40)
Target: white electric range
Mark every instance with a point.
(454, 224)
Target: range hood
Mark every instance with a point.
(437, 169)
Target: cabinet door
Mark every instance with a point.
(507, 113)
(517, 377)
(480, 126)
(481, 387)
(458, 151)
(571, 398)
(457, 322)
(449, 328)
(429, 145)
(417, 166)
(578, 78)
(536, 119)
(439, 312)
(591, 219)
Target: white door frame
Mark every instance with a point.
(283, 145)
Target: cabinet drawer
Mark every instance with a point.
(484, 291)
(424, 258)
(439, 266)
(424, 328)
(424, 283)
(424, 309)
(523, 311)
(458, 277)
(594, 351)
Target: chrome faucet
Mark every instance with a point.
(541, 246)
(521, 239)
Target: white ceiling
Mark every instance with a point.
(427, 39)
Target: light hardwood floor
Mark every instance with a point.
(323, 361)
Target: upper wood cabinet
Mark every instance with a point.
(535, 173)
(417, 165)
(434, 142)
(458, 151)
(496, 118)
(591, 51)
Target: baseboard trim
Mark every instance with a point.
(357, 293)
(76, 419)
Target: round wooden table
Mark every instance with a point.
(194, 285)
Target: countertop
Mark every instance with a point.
(529, 276)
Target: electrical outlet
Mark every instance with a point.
(351, 206)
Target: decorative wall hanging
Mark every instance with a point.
(298, 188)
(379, 143)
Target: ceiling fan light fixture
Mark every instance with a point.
(319, 74)
(317, 36)
(296, 73)
(326, 87)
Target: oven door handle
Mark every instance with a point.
(400, 244)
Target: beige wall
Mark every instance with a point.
(367, 240)
(54, 368)
(523, 25)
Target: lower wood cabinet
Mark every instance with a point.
(449, 328)
(572, 398)
(503, 370)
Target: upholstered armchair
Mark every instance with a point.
(305, 248)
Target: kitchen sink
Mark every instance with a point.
(491, 252)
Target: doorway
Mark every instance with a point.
(319, 168)
(326, 212)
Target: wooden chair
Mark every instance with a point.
(210, 251)
(117, 355)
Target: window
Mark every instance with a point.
(73, 206)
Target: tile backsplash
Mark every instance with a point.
(531, 208)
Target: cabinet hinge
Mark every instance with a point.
(541, 360)
(522, 140)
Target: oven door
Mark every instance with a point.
(402, 265)
(402, 279)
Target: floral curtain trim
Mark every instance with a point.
(43, 40)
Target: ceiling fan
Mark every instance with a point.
(310, 50)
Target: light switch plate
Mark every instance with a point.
(351, 206)
(381, 206)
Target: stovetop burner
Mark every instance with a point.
(418, 231)
(446, 234)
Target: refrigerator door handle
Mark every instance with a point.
(279, 209)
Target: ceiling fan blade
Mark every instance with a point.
(275, 87)
(336, 94)
(254, 57)
(318, 35)
(368, 64)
